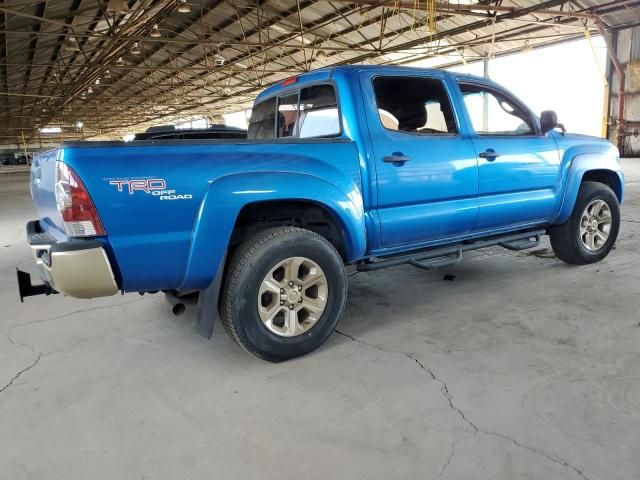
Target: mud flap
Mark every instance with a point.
(207, 310)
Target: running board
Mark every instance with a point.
(523, 244)
(439, 262)
(451, 255)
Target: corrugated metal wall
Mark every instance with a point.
(627, 44)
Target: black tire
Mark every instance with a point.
(565, 238)
(250, 264)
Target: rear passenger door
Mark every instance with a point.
(427, 176)
(518, 167)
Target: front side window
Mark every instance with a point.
(414, 105)
(494, 114)
(310, 113)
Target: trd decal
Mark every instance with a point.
(144, 185)
(153, 186)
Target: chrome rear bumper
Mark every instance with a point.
(78, 268)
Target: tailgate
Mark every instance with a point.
(43, 183)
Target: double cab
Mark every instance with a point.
(359, 166)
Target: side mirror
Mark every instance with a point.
(549, 121)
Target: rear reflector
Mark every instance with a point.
(78, 213)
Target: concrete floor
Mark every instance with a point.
(520, 368)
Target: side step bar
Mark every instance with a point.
(451, 255)
(438, 262)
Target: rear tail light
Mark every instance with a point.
(79, 215)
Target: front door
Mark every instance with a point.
(518, 167)
(427, 176)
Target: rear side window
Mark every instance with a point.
(319, 115)
(263, 120)
(310, 113)
(415, 105)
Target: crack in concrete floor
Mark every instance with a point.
(27, 368)
(19, 374)
(69, 314)
(444, 389)
(449, 459)
(41, 355)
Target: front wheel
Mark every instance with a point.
(591, 231)
(284, 293)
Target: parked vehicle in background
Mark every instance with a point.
(15, 159)
(365, 166)
(170, 132)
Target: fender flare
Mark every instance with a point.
(227, 195)
(580, 165)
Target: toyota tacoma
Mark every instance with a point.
(359, 166)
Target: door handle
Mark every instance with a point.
(396, 158)
(490, 154)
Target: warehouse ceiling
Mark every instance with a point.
(106, 68)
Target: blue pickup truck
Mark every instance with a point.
(359, 166)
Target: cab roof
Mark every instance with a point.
(328, 72)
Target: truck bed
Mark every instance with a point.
(151, 230)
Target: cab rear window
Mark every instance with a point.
(311, 112)
(263, 120)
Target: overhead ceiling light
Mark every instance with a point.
(50, 130)
(71, 45)
(155, 31)
(79, 124)
(107, 74)
(89, 90)
(321, 56)
(219, 60)
(279, 28)
(120, 61)
(97, 81)
(118, 7)
(183, 6)
(135, 50)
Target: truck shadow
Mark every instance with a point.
(432, 303)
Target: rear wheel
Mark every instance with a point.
(284, 293)
(591, 231)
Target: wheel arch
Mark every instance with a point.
(309, 214)
(595, 167)
(607, 177)
(229, 199)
